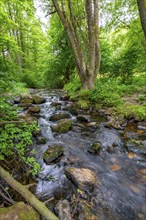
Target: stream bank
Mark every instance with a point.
(88, 170)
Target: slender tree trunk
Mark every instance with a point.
(142, 13)
(88, 56)
(23, 190)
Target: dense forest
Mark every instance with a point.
(71, 67)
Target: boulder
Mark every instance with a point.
(63, 126)
(38, 99)
(63, 210)
(26, 103)
(53, 153)
(25, 100)
(59, 116)
(95, 147)
(19, 211)
(34, 109)
(84, 178)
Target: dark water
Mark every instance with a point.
(120, 192)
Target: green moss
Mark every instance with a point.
(52, 154)
(63, 126)
(19, 211)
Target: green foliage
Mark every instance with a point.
(74, 85)
(60, 61)
(83, 104)
(142, 97)
(32, 80)
(131, 111)
(15, 140)
(21, 42)
(110, 92)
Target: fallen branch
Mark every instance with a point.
(23, 190)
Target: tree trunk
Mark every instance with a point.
(23, 190)
(87, 60)
(142, 13)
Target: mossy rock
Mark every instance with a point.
(34, 109)
(59, 116)
(19, 211)
(63, 126)
(53, 153)
(26, 102)
(38, 99)
(94, 148)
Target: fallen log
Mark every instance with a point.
(30, 198)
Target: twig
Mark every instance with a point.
(6, 198)
(49, 200)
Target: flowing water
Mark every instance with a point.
(120, 191)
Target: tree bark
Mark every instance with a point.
(86, 51)
(23, 190)
(142, 13)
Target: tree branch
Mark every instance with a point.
(38, 205)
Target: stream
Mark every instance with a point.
(120, 166)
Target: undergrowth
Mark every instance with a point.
(111, 92)
(16, 139)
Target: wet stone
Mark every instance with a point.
(59, 116)
(25, 102)
(94, 148)
(63, 210)
(38, 99)
(34, 109)
(84, 178)
(53, 153)
(63, 126)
